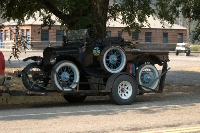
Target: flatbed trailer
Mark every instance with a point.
(135, 57)
(78, 69)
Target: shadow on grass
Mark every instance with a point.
(174, 97)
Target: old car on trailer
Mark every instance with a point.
(123, 71)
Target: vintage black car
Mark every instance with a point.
(122, 71)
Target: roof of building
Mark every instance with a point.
(32, 21)
(154, 23)
(2, 20)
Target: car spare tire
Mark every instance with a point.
(113, 59)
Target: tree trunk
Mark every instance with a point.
(100, 10)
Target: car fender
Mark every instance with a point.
(34, 58)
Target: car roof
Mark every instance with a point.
(181, 43)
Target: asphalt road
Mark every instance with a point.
(177, 109)
(183, 69)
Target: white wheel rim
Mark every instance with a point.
(125, 90)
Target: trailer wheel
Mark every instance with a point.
(33, 77)
(113, 59)
(64, 76)
(123, 91)
(146, 75)
(78, 98)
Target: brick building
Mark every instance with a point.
(155, 37)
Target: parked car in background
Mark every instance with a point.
(4, 80)
(182, 48)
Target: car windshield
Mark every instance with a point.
(77, 35)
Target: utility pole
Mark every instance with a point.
(188, 23)
(188, 29)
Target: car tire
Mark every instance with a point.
(33, 77)
(113, 59)
(146, 74)
(65, 76)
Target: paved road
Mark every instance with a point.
(170, 111)
(183, 69)
(16, 63)
(175, 110)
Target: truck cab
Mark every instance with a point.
(4, 80)
(182, 48)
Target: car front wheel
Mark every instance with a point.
(34, 78)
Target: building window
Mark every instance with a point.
(148, 36)
(165, 37)
(44, 35)
(22, 32)
(119, 33)
(108, 33)
(1, 35)
(11, 35)
(180, 37)
(59, 35)
(16, 34)
(5, 34)
(135, 36)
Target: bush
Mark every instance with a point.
(195, 47)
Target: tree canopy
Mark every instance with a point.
(76, 14)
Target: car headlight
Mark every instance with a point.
(39, 60)
(53, 59)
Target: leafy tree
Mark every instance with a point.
(190, 9)
(76, 14)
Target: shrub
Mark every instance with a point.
(195, 47)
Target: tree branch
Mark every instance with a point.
(62, 16)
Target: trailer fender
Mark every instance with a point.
(34, 58)
(148, 58)
(112, 78)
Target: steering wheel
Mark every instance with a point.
(98, 40)
(95, 37)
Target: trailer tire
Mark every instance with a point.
(113, 59)
(65, 76)
(123, 91)
(37, 77)
(145, 77)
